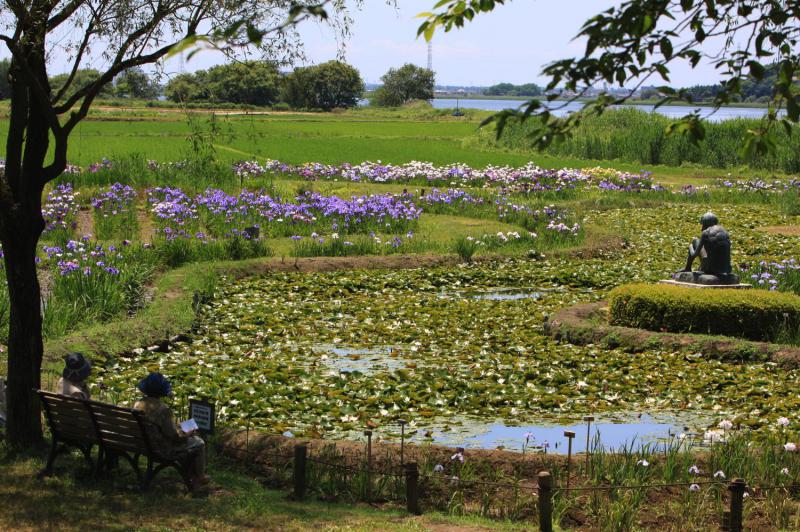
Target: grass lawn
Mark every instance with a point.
(72, 501)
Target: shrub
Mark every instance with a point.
(465, 247)
(752, 314)
(327, 86)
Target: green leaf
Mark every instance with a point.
(666, 48)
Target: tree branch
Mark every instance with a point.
(76, 65)
(41, 93)
(60, 17)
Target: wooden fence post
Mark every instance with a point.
(299, 470)
(569, 435)
(368, 434)
(412, 488)
(737, 489)
(545, 502)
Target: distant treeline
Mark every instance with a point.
(133, 83)
(752, 90)
(326, 86)
(636, 136)
(509, 89)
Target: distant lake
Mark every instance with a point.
(672, 111)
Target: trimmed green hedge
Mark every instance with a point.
(752, 314)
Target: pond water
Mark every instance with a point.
(613, 433)
(671, 111)
(496, 294)
(345, 359)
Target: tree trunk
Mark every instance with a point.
(21, 225)
(25, 347)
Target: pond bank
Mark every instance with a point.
(587, 324)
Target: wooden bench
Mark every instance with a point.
(117, 431)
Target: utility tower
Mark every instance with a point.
(430, 55)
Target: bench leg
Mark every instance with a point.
(101, 458)
(87, 455)
(148, 475)
(51, 459)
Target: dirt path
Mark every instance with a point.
(178, 110)
(85, 223)
(147, 229)
(784, 230)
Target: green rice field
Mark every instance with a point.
(353, 137)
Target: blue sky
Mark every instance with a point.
(511, 44)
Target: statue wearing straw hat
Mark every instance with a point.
(73, 379)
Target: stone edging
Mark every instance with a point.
(587, 324)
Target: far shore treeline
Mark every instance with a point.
(337, 85)
(323, 87)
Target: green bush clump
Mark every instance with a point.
(751, 314)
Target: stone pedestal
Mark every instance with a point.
(707, 286)
(705, 280)
(727, 279)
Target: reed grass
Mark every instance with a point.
(636, 136)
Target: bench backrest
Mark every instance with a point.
(120, 429)
(69, 418)
(81, 421)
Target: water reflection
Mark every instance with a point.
(611, 433)
(671, 111)
(367, 360)
(496, 294)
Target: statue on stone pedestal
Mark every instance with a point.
(714, 250)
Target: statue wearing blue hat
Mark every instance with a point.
(165, 435)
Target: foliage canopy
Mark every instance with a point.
(249, 82)
(326, 86)
(401, 85)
